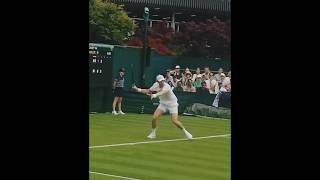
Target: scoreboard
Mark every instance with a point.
(100, 77)
(100, 66)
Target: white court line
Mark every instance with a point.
(170, 140)
(122, 177)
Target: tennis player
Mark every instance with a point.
(168, 102)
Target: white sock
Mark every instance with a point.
(184, 130)
(154, 131)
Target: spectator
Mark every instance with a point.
(177, 73)
(187, 76)
(225, 90)
(213, 88)
(203, 89)
(196, 74)
(197, 82)
(206, 72)
(211, 74)
(186, 70)
(175, 81)
(169, 78)
(217, 76)
(189, 86)
(207, 80)
(178, 87)
(229, 74)
(225, 84)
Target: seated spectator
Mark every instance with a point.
(197, 82)
(175, 81)
(168, 76)
(207, 80)
(178, 87)
(183, 79)
(188, 76)
(203, 89)
(217, 76)
(213, 88)
(225, 84)
(225, 90)
(177, 73)
(229, 74)
(189, 86)
(211, 75)
(206, 73)
(196, 74)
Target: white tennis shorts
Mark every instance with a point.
(172, 109)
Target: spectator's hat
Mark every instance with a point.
(188, 72)
(122, 70)
(160, 78)
(177, 67)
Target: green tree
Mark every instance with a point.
(109, 23)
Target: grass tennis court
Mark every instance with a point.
(206, 158)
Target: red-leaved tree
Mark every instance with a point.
(159, 37)
(209, 39)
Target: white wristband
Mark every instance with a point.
(139, 90)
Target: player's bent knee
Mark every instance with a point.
(155, 117)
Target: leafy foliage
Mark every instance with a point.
(109, 23)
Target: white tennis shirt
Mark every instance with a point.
(169, 98)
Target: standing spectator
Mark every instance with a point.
(189, 86)
(179, 87)
(118, 92)
(196, 74)
(217, 77)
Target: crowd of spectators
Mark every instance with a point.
(198, 81)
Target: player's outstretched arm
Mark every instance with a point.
(143, 91)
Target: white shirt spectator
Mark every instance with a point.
(207, 80)
(226, 85)
(213, 87)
